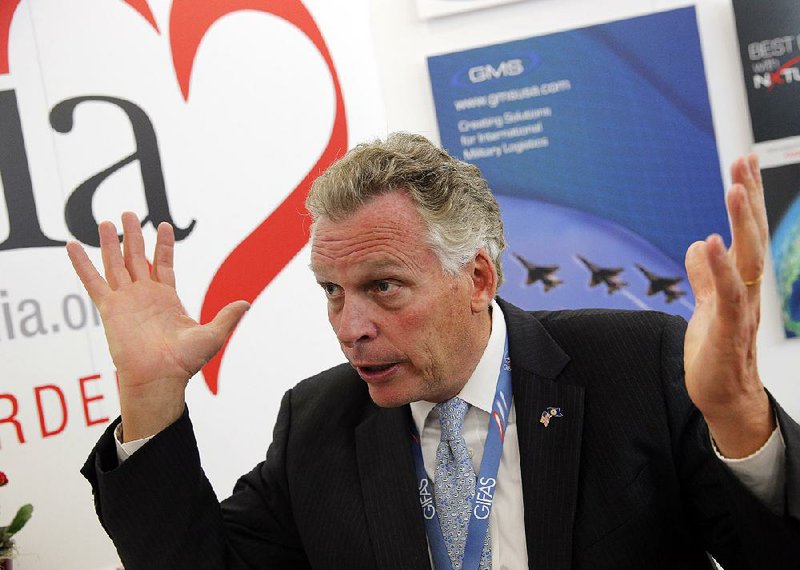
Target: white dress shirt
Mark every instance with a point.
(763, 472)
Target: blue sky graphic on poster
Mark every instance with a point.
(785, 245)
(600, 148)
(782, 193)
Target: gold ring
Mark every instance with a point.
(755, 281)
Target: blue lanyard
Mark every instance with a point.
(486, 483)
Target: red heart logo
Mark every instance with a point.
(7, 10)
(285, 231)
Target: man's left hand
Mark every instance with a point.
(720, 347)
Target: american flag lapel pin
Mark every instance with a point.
(550, 412)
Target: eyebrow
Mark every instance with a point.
(375, 265)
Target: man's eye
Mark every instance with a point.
(331, 289)
(385, 286)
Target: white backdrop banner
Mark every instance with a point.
(214, 116)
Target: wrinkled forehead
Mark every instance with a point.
(386, 230)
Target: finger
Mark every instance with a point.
(739, 170)
(701, 279)
(227, 319)
(163, 255)
(755, 167)
(747, 248)
(92, 281)
(116, 273)
(756, 197)
(746, 171)
(730, 291)
(133, 247)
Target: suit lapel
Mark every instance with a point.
(394, 518)
(549, 456)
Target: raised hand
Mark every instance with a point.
(720, 347)
(154, 344)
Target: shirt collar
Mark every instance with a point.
(479, 391)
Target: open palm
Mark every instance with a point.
(154, 344)
(720, 345)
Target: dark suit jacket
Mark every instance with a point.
(625, 479)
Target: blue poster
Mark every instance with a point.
(599, 146)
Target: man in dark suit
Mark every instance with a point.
(406, 245)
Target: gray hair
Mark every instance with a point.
(451, 196)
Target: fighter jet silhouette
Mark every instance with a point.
(607, 275)
(543, 273)
(666, 285)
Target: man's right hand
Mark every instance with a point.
(155, 345)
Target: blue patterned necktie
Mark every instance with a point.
(454, 487)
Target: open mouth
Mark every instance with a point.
(377, 372)
(377, 368)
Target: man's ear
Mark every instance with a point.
(484, 281)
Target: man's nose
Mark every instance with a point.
(354, 323)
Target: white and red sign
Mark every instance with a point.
(214, 116)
